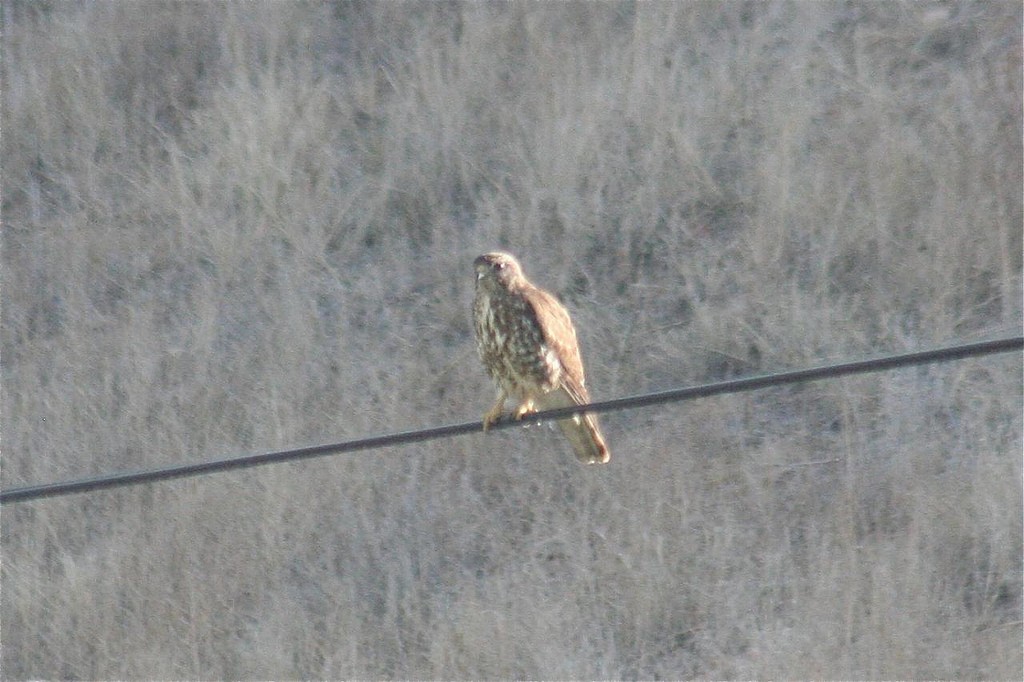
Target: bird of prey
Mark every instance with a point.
(528, 345)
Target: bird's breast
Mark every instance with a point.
(512, 347)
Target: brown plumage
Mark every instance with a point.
(528, 345)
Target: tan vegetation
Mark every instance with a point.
(232, 228)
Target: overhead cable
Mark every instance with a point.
(876, 364)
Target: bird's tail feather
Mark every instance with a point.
(582, 430)
(586, 439)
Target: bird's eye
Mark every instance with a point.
(500, 265)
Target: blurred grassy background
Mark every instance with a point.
(231, 228)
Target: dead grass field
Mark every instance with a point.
(232, 228)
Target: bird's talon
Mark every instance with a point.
(524, 410)
(492, 417)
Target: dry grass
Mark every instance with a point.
(233, 228)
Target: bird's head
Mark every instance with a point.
(497, 268)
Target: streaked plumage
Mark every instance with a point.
(528, 345)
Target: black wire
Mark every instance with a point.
(734, 386)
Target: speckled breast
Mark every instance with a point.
(512, 347)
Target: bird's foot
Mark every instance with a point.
(494, 414)
(525, 408)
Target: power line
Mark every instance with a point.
(878, 364)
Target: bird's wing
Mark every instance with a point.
(560, 336)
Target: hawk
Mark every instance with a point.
(528, 345)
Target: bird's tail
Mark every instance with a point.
(582, 430)
(586, 439)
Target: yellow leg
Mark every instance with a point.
(495, 412)
(526, 407)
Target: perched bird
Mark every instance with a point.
(528, 345)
